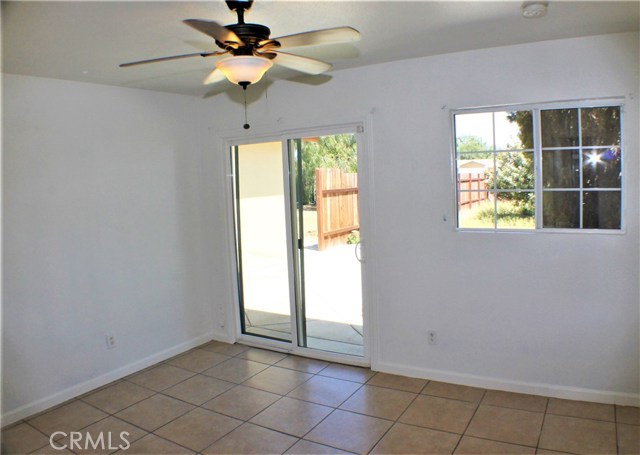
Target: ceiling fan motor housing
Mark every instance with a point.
(250, 34)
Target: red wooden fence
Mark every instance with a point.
(472, 189)
(336, 205)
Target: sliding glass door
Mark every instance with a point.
(297, 229)
(261, 244)
(327, 227)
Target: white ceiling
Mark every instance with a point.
(85, 41)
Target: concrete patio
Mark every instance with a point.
(333, 298)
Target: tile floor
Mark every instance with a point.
(222, 398)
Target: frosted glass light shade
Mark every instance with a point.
(244, 68)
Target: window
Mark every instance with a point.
(539, 168)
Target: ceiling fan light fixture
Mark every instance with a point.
(244, 69)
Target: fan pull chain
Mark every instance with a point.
(246, 125)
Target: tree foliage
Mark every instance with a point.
(473, 147)
(334, 152)
(598, 126)
(516, 168)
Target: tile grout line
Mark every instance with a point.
(466, 428)
(334, 408)
(397, 420)
(81, 398)
(247, 421)
(544, 418)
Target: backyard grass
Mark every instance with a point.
(509, 217)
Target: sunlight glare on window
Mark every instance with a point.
(594, 158)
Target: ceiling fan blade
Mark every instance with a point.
(302, 64)
(173, 57)
(215, 76)
(214, 30)
(317, 37)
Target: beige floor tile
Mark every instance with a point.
(70, 417)
(154, 412)
(154, 445)
(115, 433)
(454, 391)
(198, 360)
(379, 402)
(586, 410)
(102, 387)
(198, 429)
(407, 439)
(303, 364)
(348, 373)
(575, 435)
(515, 400)
(235, 370)
(22, 438)
(242, 402)
(628, 439)
(224, 348)
(506, 425)
(198, 389)
(349, 431)
(435, 413)
(324, 390)
(303, 447)
(50, 450)
(262, 356)
(628, 414)
(439, 413)
(292, 416)
(393, 381)
(161, 377)
(252, 439)
(52, 408)
(117, 397)
(277, 380)
(476, 446)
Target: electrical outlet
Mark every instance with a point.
(110, 340)
(432, 337)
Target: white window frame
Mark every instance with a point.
(536, 109)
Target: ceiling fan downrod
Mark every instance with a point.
(239, 7)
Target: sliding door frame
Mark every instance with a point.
(361, 130)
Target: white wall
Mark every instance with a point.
(543, 313)
(115, 221)
(102, 234)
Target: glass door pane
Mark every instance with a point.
(324, 174)
(261, 240)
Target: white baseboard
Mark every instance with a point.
(76, 390)
(532, 388)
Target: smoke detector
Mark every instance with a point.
(534, 10)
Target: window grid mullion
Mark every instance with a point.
(537, 167)
(580, 186)
(495, 172)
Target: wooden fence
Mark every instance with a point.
(472, 189)
(336, 205)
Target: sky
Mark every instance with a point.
(481, 125)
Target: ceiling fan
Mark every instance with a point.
(252, 52)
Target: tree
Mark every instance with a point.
(338, 151)
(473, 147)
(516, 168)
(598, 126)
